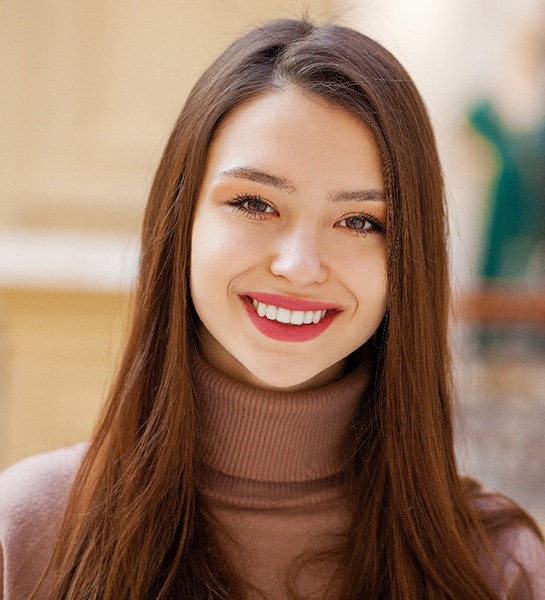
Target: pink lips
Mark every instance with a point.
(291, 303)
(284, 331)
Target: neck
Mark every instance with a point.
(261, 446)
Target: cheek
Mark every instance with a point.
(219, 251)
(370, 287)
(209, 240)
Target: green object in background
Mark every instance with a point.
(514, 224)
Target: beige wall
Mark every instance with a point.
(92, 88)
(58, 350)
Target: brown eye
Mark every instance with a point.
(256, 205)
(361, 224)
(358, 223)
(252, 206)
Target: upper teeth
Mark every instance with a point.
(283, 315)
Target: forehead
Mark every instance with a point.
(298, 136)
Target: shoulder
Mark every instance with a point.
(516, 542)
(33, 495)
(521, 554)
(37, 485)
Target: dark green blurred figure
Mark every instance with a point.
(514, 229)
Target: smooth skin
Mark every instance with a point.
(292, 203)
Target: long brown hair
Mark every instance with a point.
(134, 526)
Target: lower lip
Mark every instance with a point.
(285, 332)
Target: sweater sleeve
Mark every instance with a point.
(519, 550)
(523, 560)
(33, 497)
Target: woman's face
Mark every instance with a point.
(288, 263)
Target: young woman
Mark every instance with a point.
(280, 425)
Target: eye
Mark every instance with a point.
(251, 205)
(361, 224)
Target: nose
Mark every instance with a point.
(297, 258)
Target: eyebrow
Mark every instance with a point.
(361, 195)
(252, 174)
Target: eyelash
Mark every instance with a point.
(377, 226)
(240, 200)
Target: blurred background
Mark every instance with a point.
(90, 90)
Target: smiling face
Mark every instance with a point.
(288, 259)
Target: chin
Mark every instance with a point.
(295, 377)
(283, 383)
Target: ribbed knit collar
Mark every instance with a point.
(260, 446)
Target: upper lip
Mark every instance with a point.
(290, 303)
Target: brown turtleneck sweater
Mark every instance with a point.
(271, 475)
(271, 465)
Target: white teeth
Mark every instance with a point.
(283, 315)
(297, 317)
(271, 312)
